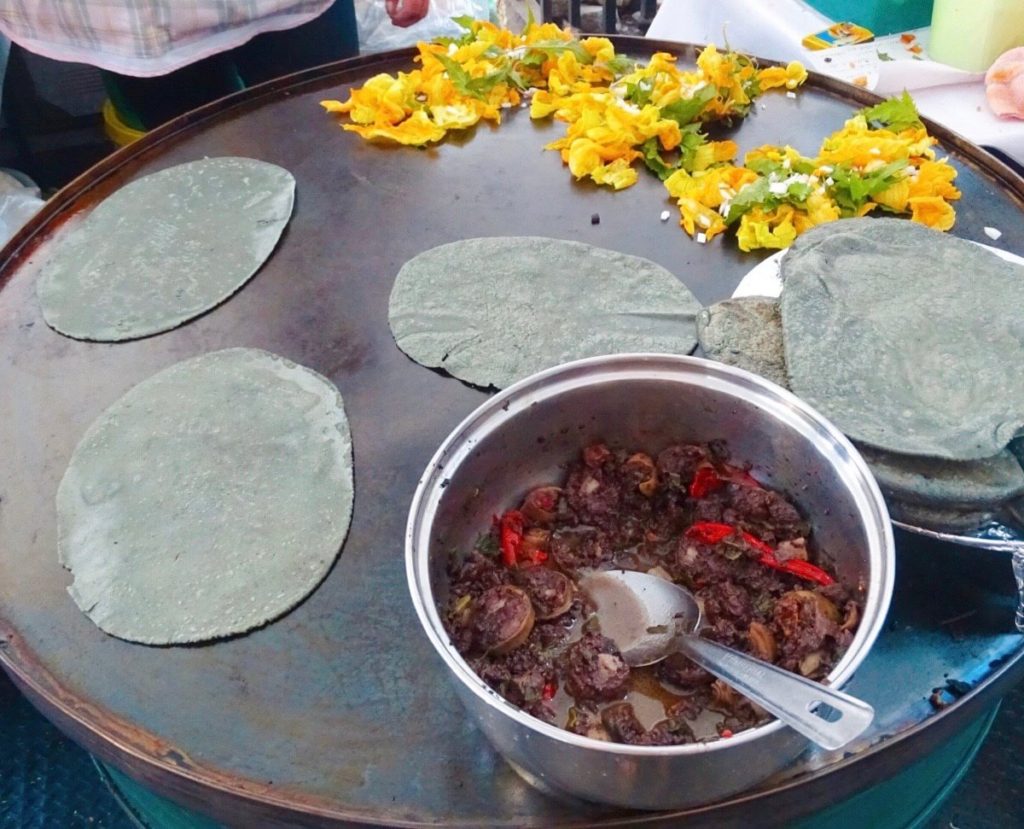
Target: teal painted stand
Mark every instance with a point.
(906, 801)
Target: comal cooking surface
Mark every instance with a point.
(341, 710)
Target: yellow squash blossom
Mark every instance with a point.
(790, 76)
(381, 100)
(543, 104)
(601, 49)
(618, 174)
(820, 209)
(933, 211)
(934, 178)
(614, 109)
(416, 130)
(856, 143)
(774, 230)
(701, 194)
(618, 114)
(895, 196)
(712, 153)
(783, 156)
(454, 116)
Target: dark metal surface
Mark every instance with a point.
(340, 711)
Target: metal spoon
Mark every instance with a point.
(649, 618)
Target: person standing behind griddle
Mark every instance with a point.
(160, 59)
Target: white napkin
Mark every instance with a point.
(895, 76)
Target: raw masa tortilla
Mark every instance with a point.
(746, 333)
(210, 499)
(908, 339)
(492, 311)
(165, 249)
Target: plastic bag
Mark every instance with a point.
(19, 202)
(378, 34)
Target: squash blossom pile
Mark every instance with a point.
(620, 113)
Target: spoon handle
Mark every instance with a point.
(790, 697)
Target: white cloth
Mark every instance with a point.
(146, 37)
(774, 29)
(765, 28)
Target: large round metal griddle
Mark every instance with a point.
(340, 711)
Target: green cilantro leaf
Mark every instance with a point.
(805, 166)
(749, 196)
(468, 36)
(653, 159)
(759, 194)
(533, 59)
(466, 84)
(851, 190)
(621, 65)
(551, 48)
(752, 88)
(764, 166)
(798, 192)
(516, 78)
(640, 93)
(687, 110)
(893, 114)
(693, 140)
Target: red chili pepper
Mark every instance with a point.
(705, 481)
(726, 732)
(800, 569)
(709, 532)
(712, 532)
(549, 691)
(511, 527)
(757, 544)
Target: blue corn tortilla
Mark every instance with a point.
(491, 311)
(164, 249)
(908, 339)
(933, 492)
(745, 332)
(212, 498)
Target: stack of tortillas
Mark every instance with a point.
(909, 340)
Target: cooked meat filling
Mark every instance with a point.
(690, 515)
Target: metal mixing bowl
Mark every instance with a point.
(524, 437)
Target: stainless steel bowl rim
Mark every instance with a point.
(505, 404)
